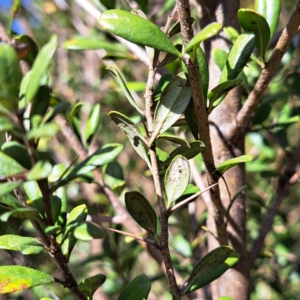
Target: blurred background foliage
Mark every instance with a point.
(81, 76)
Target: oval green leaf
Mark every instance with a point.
(177, 178)
(10, 202)
(26, 245)
(141, 211)
(92, 123)
(253, 21)
(8, 166)
(138, 289)
(16, 278)
(230, 163)
(270, 9)
(174, 100)
(89, 285)
(207, 32)
(40, 170)
(21, 213)
(7, 187)
(40, 67)
(206, 266)
(137, 30)
(47, 130)
(203, 71)
(18, 152)
(238, 56)
(231, 260)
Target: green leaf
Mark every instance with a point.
(231, 33)
(253, 21)
(8, 201)
(8, 166)
(137, 289)
(187, 151)
(10, 75)
(174, 139)
(7, 187)
(99, 158)
(87, 231)
(171, 106)
(89, 285)
(35, 196)
(47, 130)
(135, 137)
(92, 124)
(141, 211)
(217, 94)
(92, 43)
(18, 152)
(62, 217)
(270, 9)
(6, 124)
(21, 213)
(238, 56)
(219, 56)
(120, 79)
(177, 178)
(230, 163)
(40, 170)
(205, 267)
(16, 278)
(190, 119)
(41, 102)
(215, 273)
(189, 191)
(40, 67)
(78, 214)
(203, 71)
(207, 32)
(26, 245)
(136, 29)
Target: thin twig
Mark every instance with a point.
(253, 100)
(190, 199)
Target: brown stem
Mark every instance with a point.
(202, 121)
(245, 114)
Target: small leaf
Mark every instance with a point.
(187, 151)
(189, 191)
(8, 166)
(219, 56)
(174, 139)
(217, 94)
(120, 79)
(230, 163)
(89, 285)
(62, 217)
(207, 32)
(114, 177)
(21, 213)
(238, 57)
(40, 170)
(7, 187)
(135, 137)
(171, 106)
(18, 152)
(210, 276)
(40, 67)
(92, 43)
(231, 33)
(99, 158)
(270, 9)
(190, 118)
(16, 278)
(10, 75)
(136, 29)
(141, 211)
(137, 289)
(6, 124)
(35, 196)
(87, 231)
(8, 201)
(177, 178)
(203, 71)
(40, 103)
(206, 266)
(253, 21)
(92, 124)
(47, 130)
(26, 245)
(78, 214)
